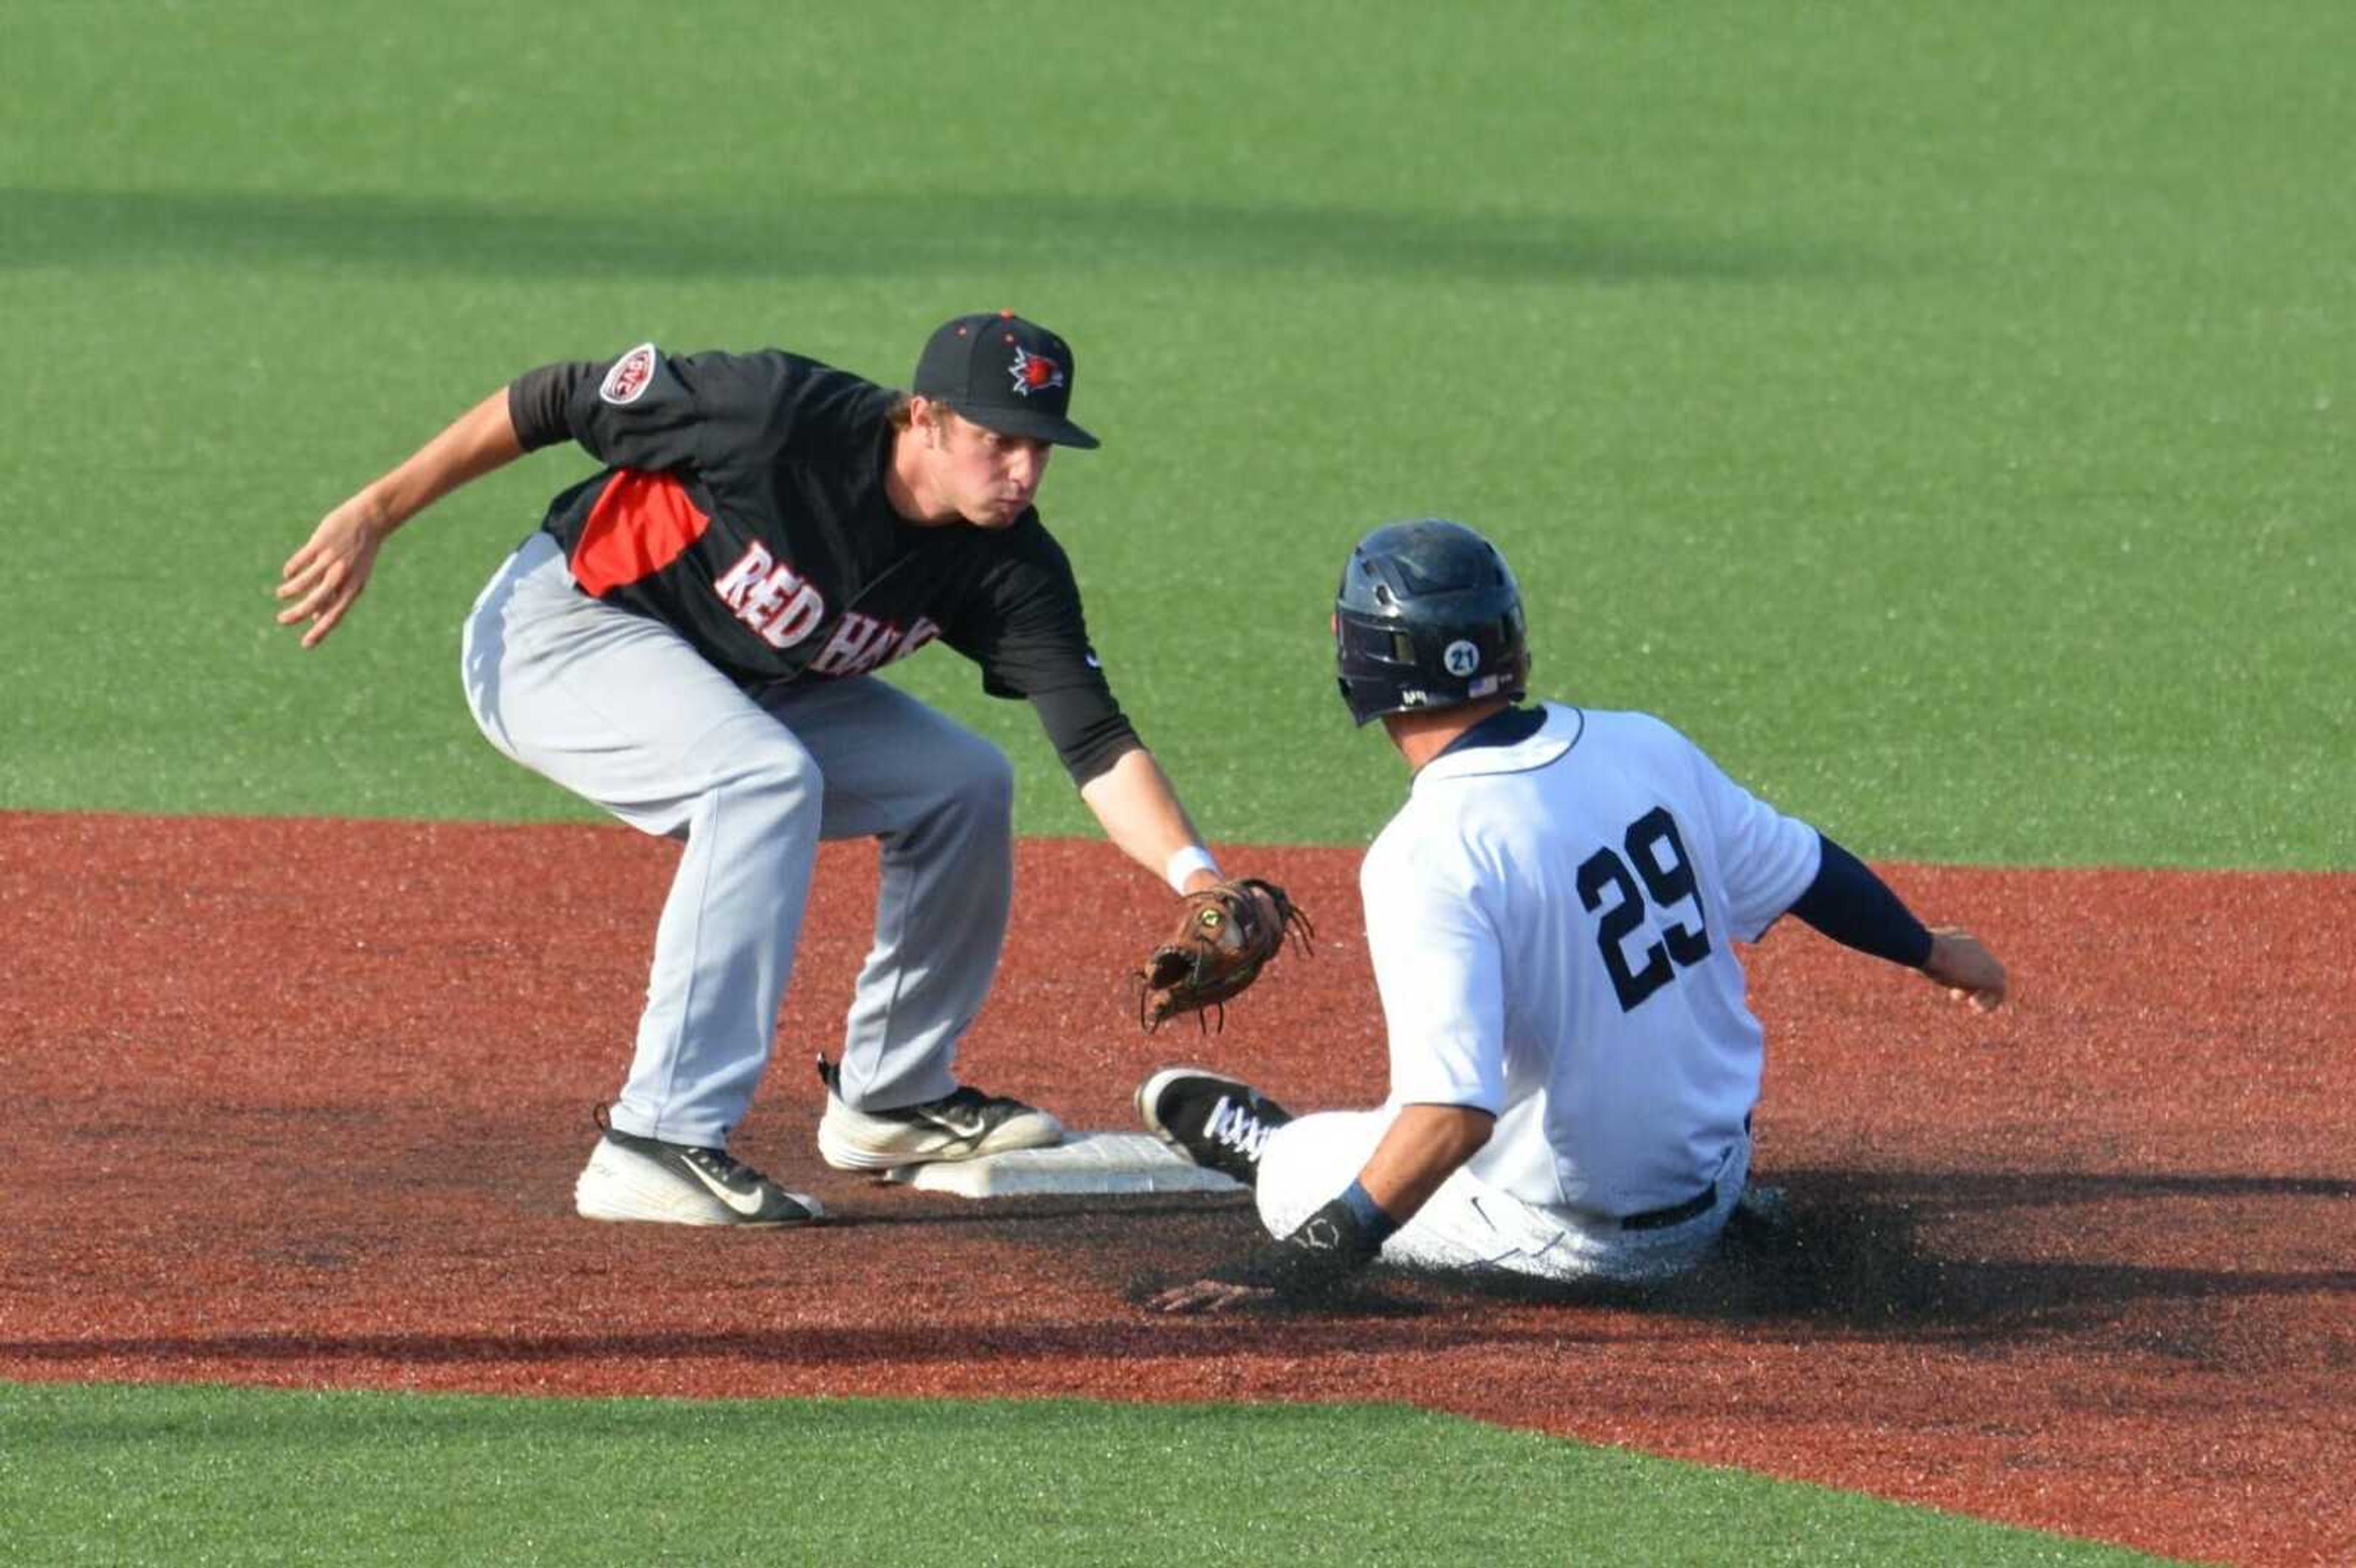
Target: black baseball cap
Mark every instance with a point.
(1004, 374)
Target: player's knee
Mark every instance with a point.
(775, 780)
(981, 780)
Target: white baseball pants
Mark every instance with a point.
(1469, 1225)
(619, 709)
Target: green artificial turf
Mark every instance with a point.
(1941, 412)
(223, 1476)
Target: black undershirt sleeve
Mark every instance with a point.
(537, 400)
(1087, 732)
(1023, 625)
(1857, 909)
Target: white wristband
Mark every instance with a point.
(1185, 863)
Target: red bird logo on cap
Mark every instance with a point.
(1035, 373)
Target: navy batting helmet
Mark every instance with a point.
(1427, 616)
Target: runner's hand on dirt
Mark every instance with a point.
(1208, 1296)
(1968, 971)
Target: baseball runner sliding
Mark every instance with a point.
(1552, 917)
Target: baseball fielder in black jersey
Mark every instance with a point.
(689, 640)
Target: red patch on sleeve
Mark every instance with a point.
(641, 524)
(630, 375)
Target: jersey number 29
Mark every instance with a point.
(1604, 875)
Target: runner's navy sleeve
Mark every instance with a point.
(1857, 909)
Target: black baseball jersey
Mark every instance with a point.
(743, 506)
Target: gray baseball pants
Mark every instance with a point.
(619, 709)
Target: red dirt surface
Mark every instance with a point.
(301, 1102)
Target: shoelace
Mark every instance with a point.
(1235, 1126)
(722, 1165)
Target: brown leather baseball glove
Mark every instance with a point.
(1224, 934)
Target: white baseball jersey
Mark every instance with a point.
(1553, 925)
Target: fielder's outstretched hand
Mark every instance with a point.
(325, 576)
(1970, 972)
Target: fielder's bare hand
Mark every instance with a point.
(1208, 1296)
(1968, 971)
(327, 575)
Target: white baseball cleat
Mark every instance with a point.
(634, 1179)
(963, 1124)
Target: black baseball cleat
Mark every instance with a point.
(631, 1178)
(1219, 1123)
(965, 1124)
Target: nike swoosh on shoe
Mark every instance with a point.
(746, 1203)
(972, 1128)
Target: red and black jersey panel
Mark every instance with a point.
(639, 524)
(742, 505)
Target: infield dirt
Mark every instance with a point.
(2083, 1266)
